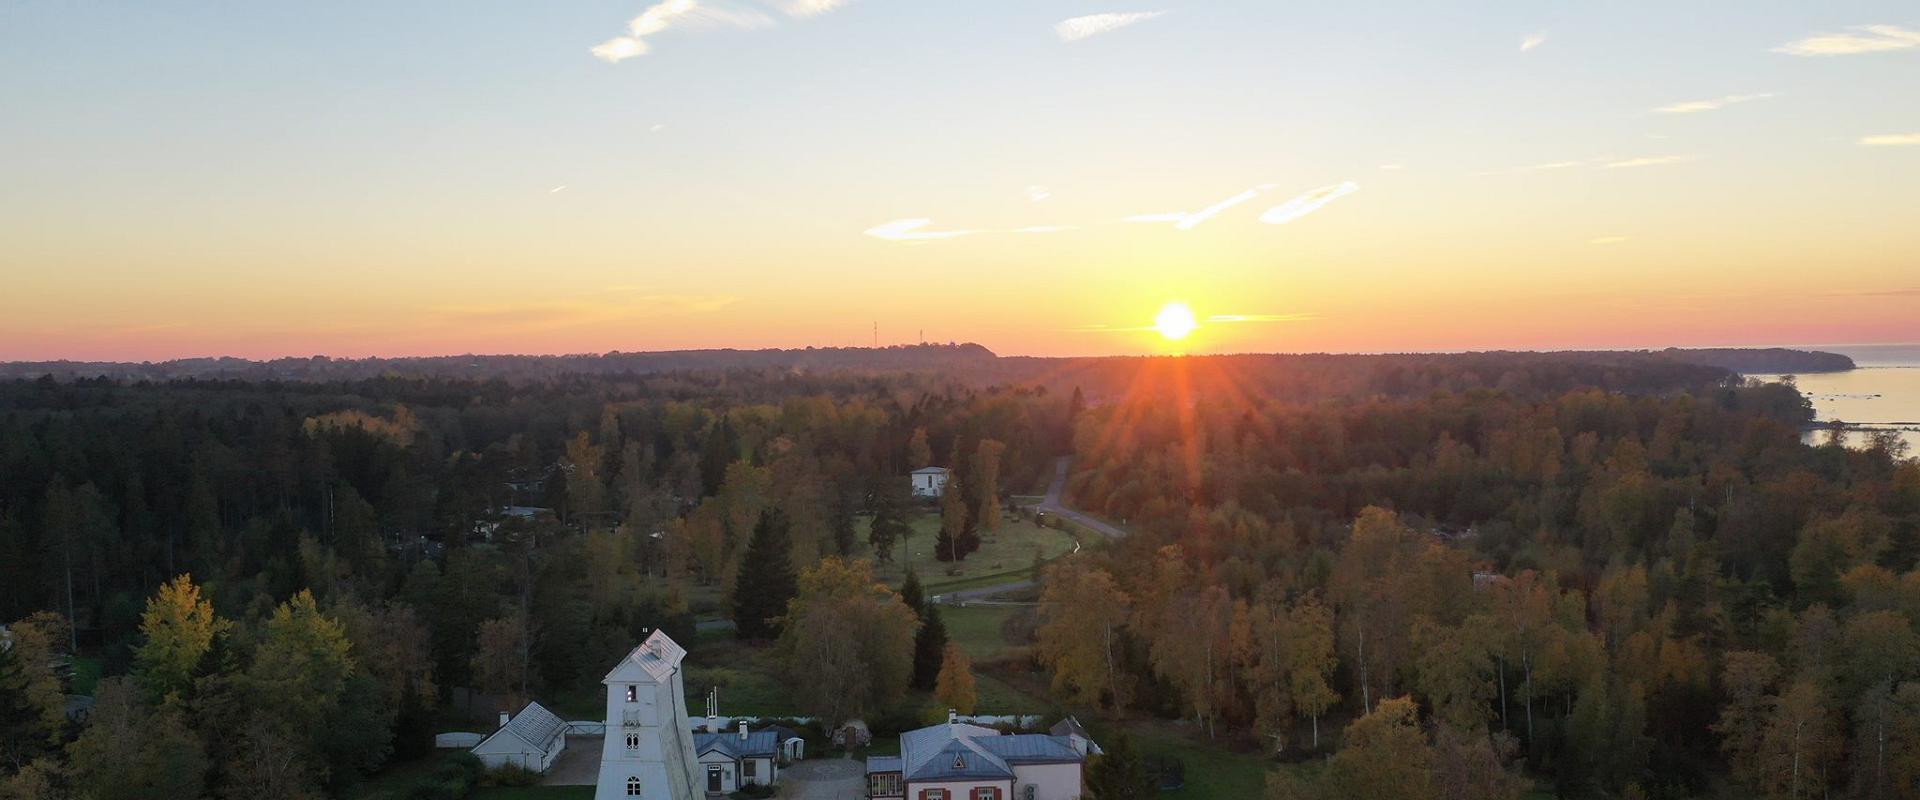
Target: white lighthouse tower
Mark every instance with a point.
(649, 747)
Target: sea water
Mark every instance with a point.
(1881, 393)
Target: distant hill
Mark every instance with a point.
(1290, 376)
(1763, 361)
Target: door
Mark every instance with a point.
(713, 779)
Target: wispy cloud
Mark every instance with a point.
(1038, 193)
(669, 14)
(1533, 40)
(1606, 240)
(1190, 221)
(909, 230)
(557, 189)
(1307, 203)
(1714, 104)
(1232, 318)
(1649, 161)
(1891, 140)
(608, 306)
(1857, 39)
(1044, 229)
(1076, 28)
(1393, 167)
(810, 8)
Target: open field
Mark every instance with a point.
(1006, 554)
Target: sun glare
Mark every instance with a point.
(1175, 321)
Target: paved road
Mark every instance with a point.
(1052, 504)
(824, 779)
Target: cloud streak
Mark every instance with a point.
(909, 230)
(1307, 203)
(1650, 161)
(1857, 39)
(1891, 140)
(1532, 41)
(1075, 29)
(669, 14)
(1714, 104)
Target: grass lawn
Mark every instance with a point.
(1212, 770)
(977, 629)
(1005, 554)
(748, 678)
(402, 776)
(86, 675)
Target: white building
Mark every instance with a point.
(957, 761)
(649, 751)
(929, 481)
(529, 740)
(733, 759)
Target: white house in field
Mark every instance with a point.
(529, 740)
(649, 751)
(929, 481)
(958, 761)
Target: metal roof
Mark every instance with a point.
(956, 750)
(930, 471)
(658, 655)
(534, 726)
(758, 744)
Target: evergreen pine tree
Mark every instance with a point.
(889, 517)
(1119, 774)
(766, 581)
(930, 642)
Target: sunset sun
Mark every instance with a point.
(1175, 321)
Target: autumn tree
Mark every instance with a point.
(502, 649)
(954, 687)
(1310, 659)
(179, 628)
(956, 524)
(852, 636)
(985, 482)
(1082, 612)
(130, 750)
(919, 453)
(1385, 756)
(766, 580)
(1800, 745)
(31, 682)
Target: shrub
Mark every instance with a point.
(510, 775)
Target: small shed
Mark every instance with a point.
(531, 740)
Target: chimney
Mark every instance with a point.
(713, 723)
(504, 717)
(743, 730)
(953, 716)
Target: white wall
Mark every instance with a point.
(958, 790)
(1050, 781)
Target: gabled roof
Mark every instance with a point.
(758, 744)
(657, 657)
(930, 471)
(534, 727)
(956, 750)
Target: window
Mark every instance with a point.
(986, 793)
(633, 786)
(885, 784)
(749, 765)
(633, 693)
(633, 741)
(959, 761)
(933, 794)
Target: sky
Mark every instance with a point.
(266, 179)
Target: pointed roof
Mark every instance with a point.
(534, 727)
(930, 471)
(958, 751)
(657, 657)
